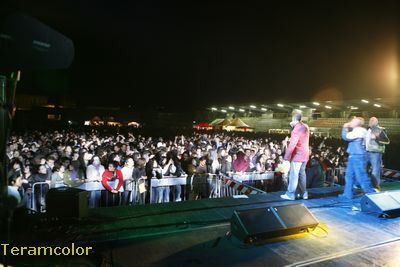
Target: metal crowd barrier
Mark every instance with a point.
(130, 193)
(227, 191)
(217, 186)
(43, 188)
(216, 183)
(91, 186)
(252, 176)
(213, 180)
(336, 175)
(165, 181)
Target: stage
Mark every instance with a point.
(194, 233)
(352, 238)
(346, 237)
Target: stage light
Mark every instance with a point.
(352, 107)
(364, 101)
(315, 103)
(241, 110)
(328, 107)
(232, 108)
(302, 106)
(377, 105)
(252, 106)
(223, 110)
(214, 109)
(263, 109)
(280, 105)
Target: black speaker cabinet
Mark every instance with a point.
(385, 204)
(67, 202)
(261, 223)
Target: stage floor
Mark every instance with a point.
(193, 233)
(347, 237)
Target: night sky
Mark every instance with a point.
(196, 54)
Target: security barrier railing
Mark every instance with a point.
(37, 201)
(135, 191)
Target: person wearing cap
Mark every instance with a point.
(297, 153)
(355, 135)
(375, 142)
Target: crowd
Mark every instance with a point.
(117, 168)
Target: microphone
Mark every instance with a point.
(26, 43)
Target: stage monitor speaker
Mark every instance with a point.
(254, 225)
(65, 202)
(385, 204)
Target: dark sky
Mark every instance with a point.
(198, 53)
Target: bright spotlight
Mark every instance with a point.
(232, 108)
(223, 110)
(263, 109)
(214, 109)
(252, 106)
(364, 101)
(377, 105)
(302, 106)
(328, 107)
(315, 103)
(241, 110)
(352, 107)
(280, 105)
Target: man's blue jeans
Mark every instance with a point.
(375, 159)
(356, 172)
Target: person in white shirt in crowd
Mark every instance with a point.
(129, 183)
(58, 176)
(94, 173)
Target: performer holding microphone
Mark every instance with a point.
(297, 153)
(355, 135)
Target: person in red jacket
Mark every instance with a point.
(112, 180)
(297, 153)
